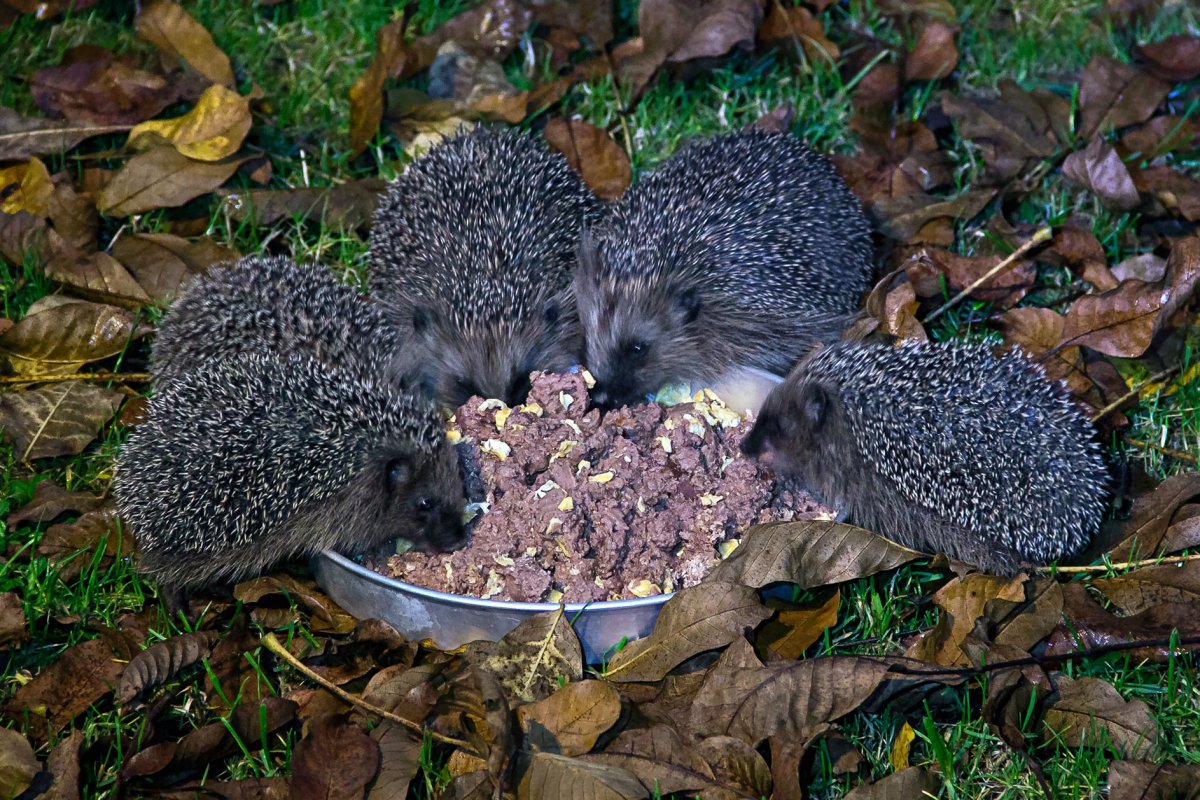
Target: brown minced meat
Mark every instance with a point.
(582, 507)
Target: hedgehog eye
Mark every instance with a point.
(426, 504)
(637, 347)
(397, 473)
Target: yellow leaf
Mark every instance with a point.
(211, 131)
(26, 187)
(900, 747)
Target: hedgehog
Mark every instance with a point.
(272, 305)
(945, 447)
(742, 250)
(251, 459)
(472, 251)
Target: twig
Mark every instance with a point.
(1145, 562)
(1132, 393)
(1042, 234)
(275, 646)
(1166, 451)
(120, 377)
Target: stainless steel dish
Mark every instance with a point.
(451, 620)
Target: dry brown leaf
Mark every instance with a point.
(50, 501)
(1175, 58)
(737, 764)
(809, 553)
(1147, 587)
(1100, 170)
(1090, 711)
(64, 766)
(12, 621)
(56, 420)
(74, 217)
(1145, 780)
(1015, 130)
(98, 277)
(1087, 626)
(489, 31)
(553, 777)
(1161, 135)
(162, 178)
(1079, 250)
(904, 218)
(533, 656)
(914, 782)
(325, 616)
(1175, 192)
(59, 334)
(334, 761)
(81, 676)
(1120, 322)
(18, 766)
(1039, 332)
(1113, 95)
(214, 129)
(794, 27)
(92, 87)
(348, 205)
(69, 546)
(698, 618)
(591, 152)
(162, 263)
(404, 690)
(176, 32)
(570, 721)
(962, 601)
(366, 95)
(26, 187)
(1146, 533)
(794, 630)
(928, 265)
(934, 55)
(22, 137)
(400, 760)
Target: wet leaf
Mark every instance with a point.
(912, 782)
(531, 658)
(67, 545)
(60, 334)
(1088, 626)
(162, 264)
(809, 553)
(334, 761)
(570, 721)
(962, 601)
(176, 32)
(592, 153)
(1144, 780)
(794, 630)
(325, 616)
(162, 661)
(49, 502)
(18, 765)
(12, 621)
(934, 55)
(93, 88)
(1099, 170)
(349, 205)
(663, 763)
(81, 676)
(796, 27)
(1113, 95)
(98, 277)
(25, 187)
(162, 178)
(1015, 130)
(212, 130)
(1147, 587)
(1090, 711)
(553, 777)
(56, 420)
(1175, 58)
(695, 619)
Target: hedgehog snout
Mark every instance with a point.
(441, 525)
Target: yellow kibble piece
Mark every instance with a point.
(725, 549)
(644, 588)
(710, 499)
(665, 441)
(454, 436)
(588, 379)
(554, 596)
(502, 417)
(603, 477)
(532, 408)
(497, 448)
(566, 504)
(503, 560)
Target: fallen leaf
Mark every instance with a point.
(1039, 332)
(777, 120)
(1100, 170)
(80, 677)
(249, 725)
(1087, 625)
(1113, 95)
(1079, 250)
(796, 27)
(808, 553)
(962, 601)
(570, 721)
(405, 690)
(932, 269)
(50, 501)
(93, 88)
(176, 32)
(98, 277)
(69, 546)
(698, 618)
(1147, 532)
(366, 95)
(914, 782)
(489, 31)
(26, 187)
(1120, 322)
(934, 55)
(664, 763)
(1144, 780)
(591, 152)
(348, 205)
(59, 334)
(1159, 136)
(1013, 131)
(1175, 58)
(74, 217)
(737, 764)
(56, 420)
(1147, 587)
(325, 616)
(399, 762)
(17, 763)
(162, 263)
(1176, 192)
(64, 767)
(794, 630)
(162, 178)
(553, 777)
(1016, 625)
(904, 218)
(1091, 712)
(476, 708)
(12, 621)
(214, 129)
(334, 761)
(531, 657)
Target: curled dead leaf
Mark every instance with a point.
(1114, 95)
(796, 27)
(934, 55)
(591, 152)
(570, 721)
(59, 334)
(212, 130)
(1100, 170)
(1091, 711)
(92, 87)
(176, 32)
(26, 187)
(531, 658)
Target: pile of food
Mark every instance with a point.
(583, 507)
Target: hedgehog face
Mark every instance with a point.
(424, 498)
(796, 435)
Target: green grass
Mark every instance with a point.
(305, 55)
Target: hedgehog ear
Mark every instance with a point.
(552, 311)
(397, 471)
(422, 320)
(687, 305)
(813, 403)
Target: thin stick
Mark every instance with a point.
(1042, 234)
(1166, 451)
(120, 377)
(1145, 562)
(1132, 393)
(276, 647)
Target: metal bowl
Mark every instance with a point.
(451, 620)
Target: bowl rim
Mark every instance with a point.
(483, 604)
